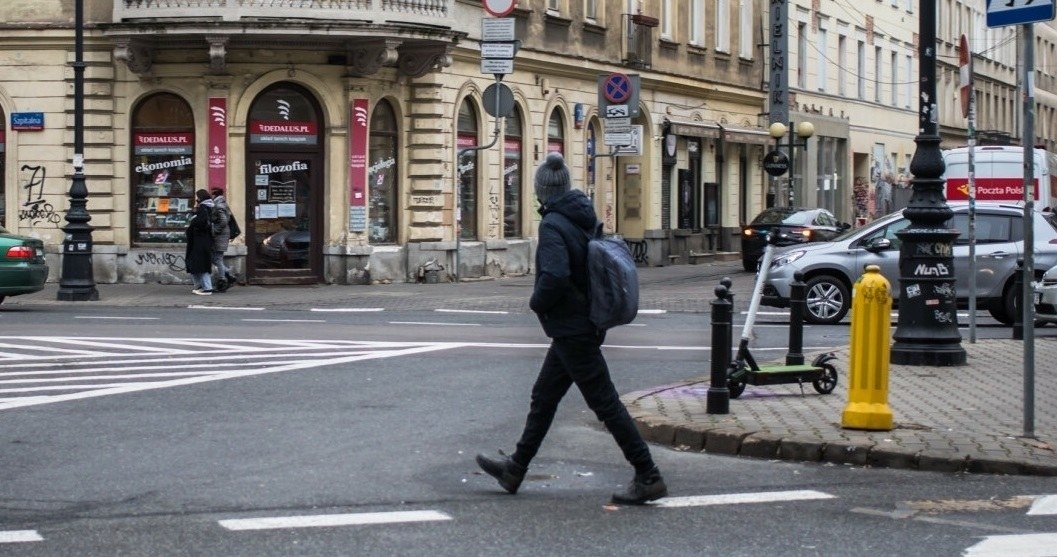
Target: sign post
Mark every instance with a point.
(1026, 13)
(965, 66)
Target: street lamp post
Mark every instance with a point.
(804, 130)
(927, 333)
(76, 282)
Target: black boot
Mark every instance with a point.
(643, 489)
(506, 471)
(232, 280)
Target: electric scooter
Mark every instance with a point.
(743, 369)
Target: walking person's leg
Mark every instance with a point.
(551, 385)
(582, 357)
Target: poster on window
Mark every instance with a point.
(358, 153)
(218, 143)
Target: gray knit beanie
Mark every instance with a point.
(552, 178)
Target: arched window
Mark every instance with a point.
(163, 169)
(556, 133)
(382, 174)
(512, 169)
(467, 169)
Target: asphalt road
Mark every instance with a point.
(278, 433)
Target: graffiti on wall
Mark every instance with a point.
(35, 209)
(172, 261)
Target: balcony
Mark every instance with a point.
(638, 50)
(415, 36)
(417, 12)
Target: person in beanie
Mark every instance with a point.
(199, 253)
(221, 237)
(559, 300)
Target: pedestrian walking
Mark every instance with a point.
(221, 236)
(559, 300)
(199, 254)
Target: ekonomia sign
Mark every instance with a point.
(27, 121)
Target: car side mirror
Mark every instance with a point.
(878, 244)
(844, 226)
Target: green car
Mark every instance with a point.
(22, 266)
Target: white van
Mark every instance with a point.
(1000, 175)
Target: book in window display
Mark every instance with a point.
(163, 170)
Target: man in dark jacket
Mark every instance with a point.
(559, 300)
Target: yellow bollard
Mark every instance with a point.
(871, 311)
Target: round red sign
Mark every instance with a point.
(499, 8)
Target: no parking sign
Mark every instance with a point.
(619, 91)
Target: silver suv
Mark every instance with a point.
(830, 268)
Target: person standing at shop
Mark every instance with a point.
(198, 258)
(221, 237)
(559, 299)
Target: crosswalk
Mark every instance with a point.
(1033, 544)
(37, 370)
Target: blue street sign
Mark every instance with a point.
(617, 88)
(1018, 12)
(27, 121)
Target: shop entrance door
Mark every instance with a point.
(284, 187)
(284, 221)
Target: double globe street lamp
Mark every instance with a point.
(777, 163)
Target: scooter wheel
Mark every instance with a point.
(735, 388)
(827, 381)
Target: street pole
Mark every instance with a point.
(1027, 306)
(927, 332)
(76, 283)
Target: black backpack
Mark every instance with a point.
(233, 227)
(614, 281)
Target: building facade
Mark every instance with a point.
(354, 144)
(352, 140)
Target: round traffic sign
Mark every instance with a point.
(776, 163)
(499, 8)
(498, 100)
(617, 88)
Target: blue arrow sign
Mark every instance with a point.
(1018, 12)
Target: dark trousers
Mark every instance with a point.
(578, 359)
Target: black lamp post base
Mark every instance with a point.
(939, 355)
(76, 294)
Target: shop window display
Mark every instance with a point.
(512, 167)
(382, 175)
(467, 137)
(162, 169)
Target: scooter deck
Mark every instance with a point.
(776, 375)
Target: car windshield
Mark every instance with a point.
(1051, 218)
(784, 215)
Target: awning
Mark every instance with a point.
(694, 128)
(755, 136)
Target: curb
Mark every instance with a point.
(733, 440)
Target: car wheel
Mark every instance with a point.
(749, 266)
(1006, 309)
(827, 300)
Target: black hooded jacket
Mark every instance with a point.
(559, 298)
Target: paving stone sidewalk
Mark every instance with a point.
(954, 419)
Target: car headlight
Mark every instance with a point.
(787, 258)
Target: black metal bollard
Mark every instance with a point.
(1018, 289)
(726, 282)
(797, 308)
(718, 399)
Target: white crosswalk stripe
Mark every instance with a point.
(1015, 545)
(19, 536)
(38, 370)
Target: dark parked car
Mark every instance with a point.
(22, 267)
(793, 225)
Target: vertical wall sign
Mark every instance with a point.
(779, 73)
(218, 143)
(358, 165)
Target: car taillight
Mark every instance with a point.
(20, 252)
